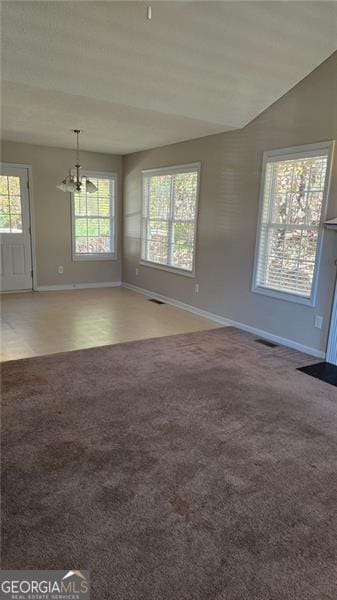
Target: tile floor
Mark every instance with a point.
(36, 323)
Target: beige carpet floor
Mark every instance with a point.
(201, 466)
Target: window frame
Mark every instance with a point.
(23, 185)
(291, 153)
(174, 170)
(79, 257)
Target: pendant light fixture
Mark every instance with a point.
(74, 181)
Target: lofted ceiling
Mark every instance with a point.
(197, 68)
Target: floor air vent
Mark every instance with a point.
(266, 343)
(323, 371)
(156, 301)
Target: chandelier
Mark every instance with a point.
(74, 181)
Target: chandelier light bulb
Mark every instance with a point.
(90, 186)
(62, 186)
(71, 187)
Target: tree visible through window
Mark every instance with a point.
(94, 219)
(291, 220)
(169, 217)
(10, 204)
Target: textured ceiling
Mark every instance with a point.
(197, 68)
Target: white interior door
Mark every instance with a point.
(15, 238)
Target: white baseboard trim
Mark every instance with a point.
(15, 291)
(227, 322)
(78, 286)
(197, 311)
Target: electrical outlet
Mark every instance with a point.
(60, 269)
(196, 288)
(137, 271)
(318, 322)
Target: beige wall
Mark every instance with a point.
(52, 212)
(230, 183)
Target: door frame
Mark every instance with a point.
(31, 216)
(331, 352)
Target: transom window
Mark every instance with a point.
(295, 186)
(169, 217)
(10, 204)
(94, 219)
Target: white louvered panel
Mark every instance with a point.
(169, 216)
(93, 217)
(290, 223)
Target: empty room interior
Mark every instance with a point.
(168, 237)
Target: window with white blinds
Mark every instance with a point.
(94, 219)
(294, 191)
(169, 217)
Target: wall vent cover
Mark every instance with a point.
(156, 301)
(266, 343)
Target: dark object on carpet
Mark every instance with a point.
(323, 371)
(266, 343)
(192, 467)
(156, 301)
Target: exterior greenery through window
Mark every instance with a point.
(294, 194)
(94, 219)
(10, 204)
(169, 218)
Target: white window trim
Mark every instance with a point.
(78, 257)
(305, 151)
(173, 169)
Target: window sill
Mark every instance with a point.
(93, 257)
(176, 271)
(288, 297)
